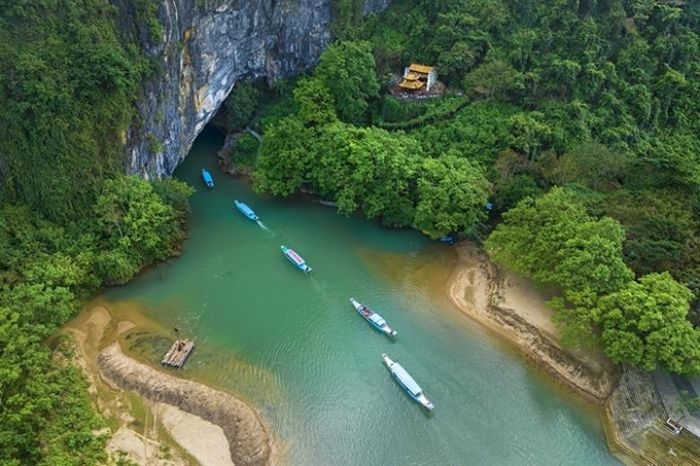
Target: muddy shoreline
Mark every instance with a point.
(487, 295)
(477, 288)
(204, 425)
(246, 435)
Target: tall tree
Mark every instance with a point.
(452, 196)
(284, 158)
(349, 72)
(645, 324)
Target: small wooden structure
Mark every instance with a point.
(675, 427)
(178, 353)
(416, 77)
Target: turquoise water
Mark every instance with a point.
(293, 347)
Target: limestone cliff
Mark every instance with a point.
(206, 46)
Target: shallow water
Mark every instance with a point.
(293, 346)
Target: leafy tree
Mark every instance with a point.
(598, 167)
(349, 72)
(494, 78)
(645, 324)
(528, 134)
(316, 105)
(452, 195)
(241, 104)
(284, 158)
(366, 168)
(135, 220)
(555, 241)
(508, 191)
(531, 234)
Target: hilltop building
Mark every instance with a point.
(418, 77)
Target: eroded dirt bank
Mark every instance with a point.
(518, 312)
(248, 441)
(179, 421)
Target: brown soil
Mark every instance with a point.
(515, 309)
(204, 425)
(248, 441)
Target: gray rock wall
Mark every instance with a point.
(206, 47)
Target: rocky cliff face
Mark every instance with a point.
(206, 47)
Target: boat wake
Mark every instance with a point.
(268, 232)
(318, 286)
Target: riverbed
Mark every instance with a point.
(292, 347)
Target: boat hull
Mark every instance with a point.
(245, 210)
(406, 382)
(374, 319)
(295, 259)
(207, 178)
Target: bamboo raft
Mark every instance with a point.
(178, 353)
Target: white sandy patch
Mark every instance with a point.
(522, 294)
(202, 439)
(138, 449)
(516, 308)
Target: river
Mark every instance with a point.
(293, 347)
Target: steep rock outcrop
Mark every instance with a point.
(206, 46)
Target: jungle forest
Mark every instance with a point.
(566, 144)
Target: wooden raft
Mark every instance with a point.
(178, 352)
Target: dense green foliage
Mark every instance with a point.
(346, 69)
(583, 116)
(242, 103)
(67, 88)
(46, 271)
(383, 174)
(69, 222)
(644, 323)
(578, 120)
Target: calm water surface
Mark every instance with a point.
(293, 347)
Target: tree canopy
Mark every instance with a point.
(645, 324)
(347, 68)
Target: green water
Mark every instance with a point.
(293, 347)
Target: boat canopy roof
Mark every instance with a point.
(377, 319)
(406, 379)
(294, 256)
(244, 207)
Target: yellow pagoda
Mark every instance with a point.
(416, 77)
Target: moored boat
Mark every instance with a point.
(245, 210)
(206, 176)
(295, 259)
(373, 318)
(406, 381)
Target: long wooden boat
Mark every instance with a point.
(406, 382)
(208, 180)
(295, 259)
(245, 210)
(373, 318)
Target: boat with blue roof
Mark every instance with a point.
(295, 259)
(407, 383)
(373, 318)
(245, 210)
(208, 180)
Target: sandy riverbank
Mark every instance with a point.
(516, 309)
(204, 425)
